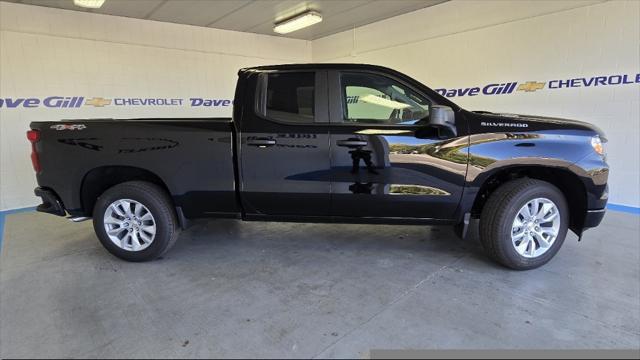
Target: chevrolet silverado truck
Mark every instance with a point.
(342, 143)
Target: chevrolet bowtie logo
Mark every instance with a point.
(531, 86)
(98, 102)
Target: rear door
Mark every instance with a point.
(284, 150)
(385, 161)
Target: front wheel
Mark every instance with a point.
(135, 221)
(524, 223)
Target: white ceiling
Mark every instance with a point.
(256, 16)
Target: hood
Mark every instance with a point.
(535, 122)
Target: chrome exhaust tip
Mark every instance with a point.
(79, 218)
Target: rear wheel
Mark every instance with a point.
(135, 221)
(524, 223)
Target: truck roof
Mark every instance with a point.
(323, 66)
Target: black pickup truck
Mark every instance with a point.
(328, 143)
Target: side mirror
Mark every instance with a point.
(443, 119)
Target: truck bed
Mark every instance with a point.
(191, 157)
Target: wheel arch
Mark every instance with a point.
(564, 179)
(98, 180)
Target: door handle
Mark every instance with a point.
(261, 142)
(352, 143)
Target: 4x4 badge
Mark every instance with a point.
(68, 127)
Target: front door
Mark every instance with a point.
(385, 161)
(284, 149)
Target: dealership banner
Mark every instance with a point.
(532, 86)
(80, 101)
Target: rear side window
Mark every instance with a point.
(290, 96)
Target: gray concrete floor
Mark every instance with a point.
(233, 289)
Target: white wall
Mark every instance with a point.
(51, 52)
(463, 44)
(459, 44)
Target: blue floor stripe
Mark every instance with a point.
(624, 208)
(4, 213)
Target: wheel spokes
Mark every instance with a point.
(535, 207)
(542, 241)
(544, 210)
(137, 209)
(150, 229)
(115, 231)
(549, 217)
(135, 243)
(124, 240)
(113, 221)
(129, 225)
(126, 205)
(517, 223)
(524, 244)
(145, 237)
(535, 227)
(532, 247)
(526, 211)
(517, 236)
(116, 207)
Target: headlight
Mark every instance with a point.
(598, 145)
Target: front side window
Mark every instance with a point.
(375, 99)
(290, 96)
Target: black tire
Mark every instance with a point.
(500, 211)
(157, 201)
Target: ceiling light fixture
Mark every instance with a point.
(91, 4)
(298, 22)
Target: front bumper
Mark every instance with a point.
(51, 203)
(593, 218)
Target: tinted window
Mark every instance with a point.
(290, 96)
(376, 99)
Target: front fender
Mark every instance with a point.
(494, 153)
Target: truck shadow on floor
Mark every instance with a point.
(436, 244)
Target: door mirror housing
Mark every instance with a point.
(443, 119)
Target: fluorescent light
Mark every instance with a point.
(298, 22)
(91, 4)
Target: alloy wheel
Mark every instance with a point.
(130, 225)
